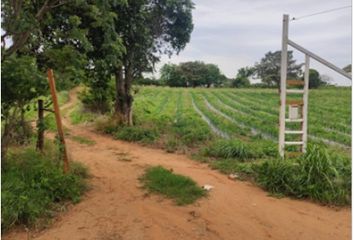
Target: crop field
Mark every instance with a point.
(247, 114)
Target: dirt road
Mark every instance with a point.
(117, 208)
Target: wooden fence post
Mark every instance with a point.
(58, 119)
(40, 126)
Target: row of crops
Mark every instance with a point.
(247, 114)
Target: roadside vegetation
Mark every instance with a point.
(34, 186)
(181, 189)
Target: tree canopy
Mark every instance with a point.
(268, 69)
(191, 74)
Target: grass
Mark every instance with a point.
(318, 175)
(83, 140)
(79, 115)
(181, 189)
(33, 184)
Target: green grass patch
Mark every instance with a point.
(136, 134)
(83, 140)
(79, 115)
(180, 188)
(34, 183)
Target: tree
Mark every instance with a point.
(191, 74)
(268, 69)
(315, 79)
(148, 28)
(171, 75)
(242, 77)
(348, 68)
(21, 82)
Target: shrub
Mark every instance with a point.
(32, 183)
(180, 188)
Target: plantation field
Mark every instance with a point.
(247, 114)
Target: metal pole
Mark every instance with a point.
(58, 119)
(283, 76)
(305, 99)
(321, 60)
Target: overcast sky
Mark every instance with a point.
(237, 33)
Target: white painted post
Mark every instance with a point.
(305, 99)
(283, 77)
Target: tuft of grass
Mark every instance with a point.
(33, 183)
(136, 134)
(318, 175)
(230, 149)
(83, 140)
(178, 187)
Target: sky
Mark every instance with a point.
(238, 33)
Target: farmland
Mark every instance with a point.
(247, 114)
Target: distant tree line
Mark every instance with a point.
(267, 70)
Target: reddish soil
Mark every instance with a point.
(117, 208)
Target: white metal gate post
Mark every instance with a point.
(283, 77)
(305, 99)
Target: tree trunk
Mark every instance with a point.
(40, 126)
(124, 99)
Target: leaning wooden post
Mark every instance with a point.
(58, 119)
(40, 126)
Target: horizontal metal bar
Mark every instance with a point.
(293, 132)
(294, 91)
(294, 120)
(294, 143)
(321, 60)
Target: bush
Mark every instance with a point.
(318, 175)
(32, 183)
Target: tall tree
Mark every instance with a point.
(268, 69)
(242, 77)
(315, 80)
(148, 29)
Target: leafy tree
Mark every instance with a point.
(348, 68)
(315, 79)
(171, 75)
(268, 69)
(191, 74)
(242, 77)
(21, 82)
(148, 28)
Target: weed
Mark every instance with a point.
(136, 134)
(32, 183)
(180, 188)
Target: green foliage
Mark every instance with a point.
(178, 187)
(191, 74)
(242, 77)
(315, 80)
(268, 69)
(32, 183)
(318, 175)
(21, 82)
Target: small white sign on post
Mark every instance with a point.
(293, 112)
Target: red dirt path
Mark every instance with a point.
(117, 208)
